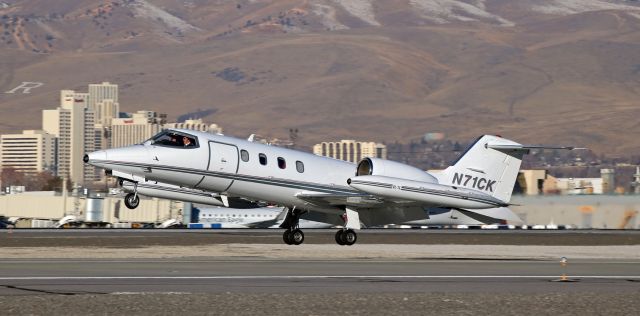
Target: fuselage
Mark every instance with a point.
(234, 167)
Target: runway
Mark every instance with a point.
(264, 275)
(127, 238)
(244, 286)
(128, 272)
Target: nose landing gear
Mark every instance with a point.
(132, 200)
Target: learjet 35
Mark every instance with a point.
(373, 192)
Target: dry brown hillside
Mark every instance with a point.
(546, 71)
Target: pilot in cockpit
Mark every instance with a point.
(186, 141)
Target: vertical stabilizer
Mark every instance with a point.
(491, 165)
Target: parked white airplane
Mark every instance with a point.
(375, 192)
(261, 217)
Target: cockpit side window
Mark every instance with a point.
(175, 139)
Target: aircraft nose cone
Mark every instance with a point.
(95, 156)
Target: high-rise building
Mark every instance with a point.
(196, 125)
(350, 150)
(103, 100)
(106, 110)
(135, 129)
(73, 124)
(29, 152)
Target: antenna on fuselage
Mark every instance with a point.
(251, 137)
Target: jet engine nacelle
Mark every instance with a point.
(388, 168)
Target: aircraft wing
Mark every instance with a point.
(356, 200)
(374, 210)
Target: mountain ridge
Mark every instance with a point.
(549, 71)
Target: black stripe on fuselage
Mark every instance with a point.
(239, 177)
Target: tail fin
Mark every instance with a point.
(491, 165)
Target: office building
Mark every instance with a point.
(29, 152)
(350, 150)
(103, 101)
(73, 124)
(135, 129)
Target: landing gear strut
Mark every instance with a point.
(132, 200)
(292, 235)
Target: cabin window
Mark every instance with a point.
(300, 166)
(282, 164)
(263, 159)
(244, 155)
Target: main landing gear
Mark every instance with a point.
(346, 237)
(292, 235)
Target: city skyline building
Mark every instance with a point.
(32, 151)
(73, 125)
(350, 150)
(103, 100)
(136, 129)
(85, 122)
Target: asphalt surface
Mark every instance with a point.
(313, 286)
(317, 287)
(184, 237)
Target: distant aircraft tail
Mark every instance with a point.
(491, 165)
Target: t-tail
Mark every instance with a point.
(491, 165)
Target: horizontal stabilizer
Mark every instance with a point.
(527, 147)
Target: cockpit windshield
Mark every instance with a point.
(174, 139)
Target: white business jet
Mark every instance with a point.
(374, 192)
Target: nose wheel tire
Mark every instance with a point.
(293, 237)
(131, 201)
(346, 237)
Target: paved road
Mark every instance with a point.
(151, 237)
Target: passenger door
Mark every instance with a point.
(223, 165)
